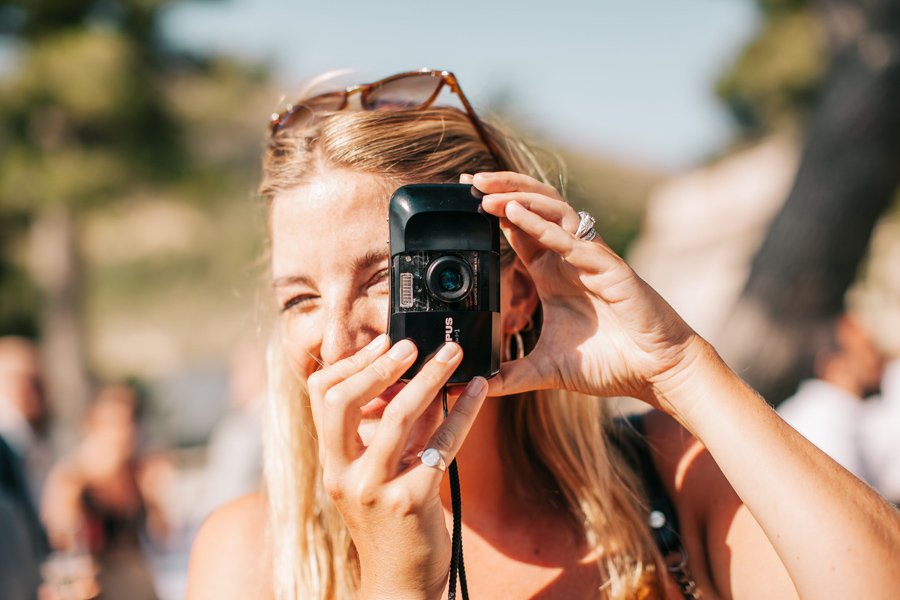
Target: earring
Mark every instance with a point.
(529, 324)
(520, 346)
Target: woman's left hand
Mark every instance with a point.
(605, 331)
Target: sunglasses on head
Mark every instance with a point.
(412, 90)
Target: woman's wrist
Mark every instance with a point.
(379, 583)
(381, 592)
(689, 390)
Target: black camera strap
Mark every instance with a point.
(457, 565)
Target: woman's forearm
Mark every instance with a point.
(836, 537)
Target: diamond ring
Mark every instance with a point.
(585, 229)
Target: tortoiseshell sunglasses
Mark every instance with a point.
(412, 90)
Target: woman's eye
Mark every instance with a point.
(302, 301)
(380, 278)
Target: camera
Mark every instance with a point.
(445, 276)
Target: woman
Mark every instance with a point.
(93, 502)
(552, 508)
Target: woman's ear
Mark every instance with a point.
(523, 298)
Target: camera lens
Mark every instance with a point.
(449, 278)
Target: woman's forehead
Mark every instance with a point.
(332, 219)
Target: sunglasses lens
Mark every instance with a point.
(306, 111)
(409, 92)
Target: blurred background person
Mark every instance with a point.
(23, 546)
(24, 411)
(182, 487)
(25, 456)
(828, 409)
(880, 435)
(234, 452)
(92, 500)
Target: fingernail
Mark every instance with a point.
(402, 350)
(447, 353)
(475, 387)
(376, 343)
(486, 175)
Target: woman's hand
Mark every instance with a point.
(605, 331)
(388, 499)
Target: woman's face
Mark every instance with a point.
(330, 262)
(330, 269)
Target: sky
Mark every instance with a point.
(632, 80)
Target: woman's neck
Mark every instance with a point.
(489, 498)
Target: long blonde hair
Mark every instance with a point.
(553, 441)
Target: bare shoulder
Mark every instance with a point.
(728, 552)
(231, 557)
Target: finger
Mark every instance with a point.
(422, 431)
(466, 178)
(589, 256)
(449, 437)
(517, 376)
(341, 403)
(551, 208)
(509, 181)
(401, 414)
(328, 376)
(322, 380)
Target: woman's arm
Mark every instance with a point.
(607, 333)
(835, 536)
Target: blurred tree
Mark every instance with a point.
(85, 121)
(847, 177)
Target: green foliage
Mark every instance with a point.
(775, 79)
(18, 295)
(99, 116)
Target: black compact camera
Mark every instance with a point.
(445, 276)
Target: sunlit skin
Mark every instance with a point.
(605, 332)
(330, 268)
(330, 277)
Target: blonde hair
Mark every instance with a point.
(554, 442)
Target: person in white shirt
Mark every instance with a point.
(830, 409)
(880, 435)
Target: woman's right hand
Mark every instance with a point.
(388, 499)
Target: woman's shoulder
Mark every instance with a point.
(727, 550)
(231, 556)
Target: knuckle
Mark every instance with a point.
(400, 502)
(395, 417)
(359, 360)
(365, 494)
(315, 383)
(333, 400)
(333, 485)
(444, 439)
(382, 371)
(435, 373)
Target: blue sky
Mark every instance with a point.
(627, 79)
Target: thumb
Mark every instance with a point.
(517, 376)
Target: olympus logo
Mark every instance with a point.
(448, 329)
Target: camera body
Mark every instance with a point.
(445, 276)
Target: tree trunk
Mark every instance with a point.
(848, 175)
(56, 268)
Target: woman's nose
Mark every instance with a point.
(346, 330)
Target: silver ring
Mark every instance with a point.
(432, 457)
(585, 229)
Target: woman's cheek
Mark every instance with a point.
(299, 347)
